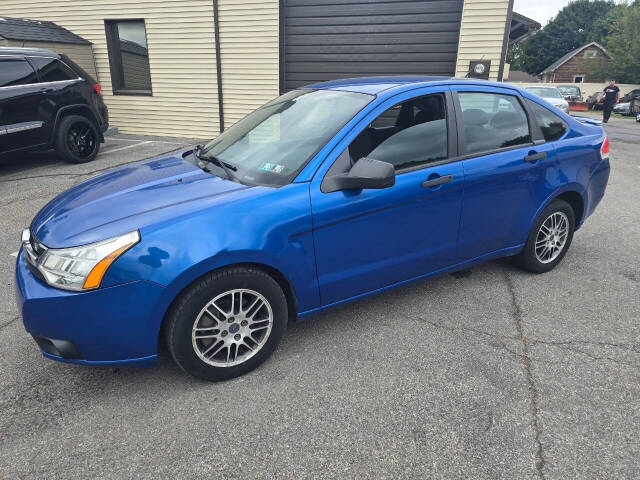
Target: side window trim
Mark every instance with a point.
(534, 129)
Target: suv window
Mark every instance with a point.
(492, 121)
(52, 70)
(553, 127)
(409, 134)
(15, 71)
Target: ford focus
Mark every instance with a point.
(326, 194)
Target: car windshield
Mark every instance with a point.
(272, 144)
(570, 90)
(545, 92)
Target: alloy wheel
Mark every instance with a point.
(81, 140)
(232, 328)
(552, 237)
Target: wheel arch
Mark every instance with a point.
(573, 194)
(180, 285)
(77, 109)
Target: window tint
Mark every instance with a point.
(417, 136)
(128, 56)
(389, 118)
(15, 71)
(492, 121)
(553, 127)
(52, 70)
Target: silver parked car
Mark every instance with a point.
(551, 95)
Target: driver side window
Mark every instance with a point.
(407, 135)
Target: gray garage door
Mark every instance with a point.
(329, 39)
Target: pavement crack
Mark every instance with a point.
(9, 322)
(49, 175)
(526, 361)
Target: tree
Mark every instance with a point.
(580, 22)
(623, 45)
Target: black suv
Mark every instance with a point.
(47, 101)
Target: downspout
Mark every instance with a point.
(216, 26)
(505, 40)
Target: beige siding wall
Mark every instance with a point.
(482, 34)
(181, 55)
(81, 54)
(249, 50)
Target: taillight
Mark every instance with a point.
(98, 89)
(604, 149)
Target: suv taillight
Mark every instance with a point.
(98, 89)
(604, 149)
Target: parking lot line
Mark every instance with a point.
(126, 147)
(14, 254)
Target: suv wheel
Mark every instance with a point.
(227, 323)
(77, 139)
(549, 238)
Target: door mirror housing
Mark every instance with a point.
(365, 173)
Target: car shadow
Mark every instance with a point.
(12, 163)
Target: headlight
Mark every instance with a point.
(79, 268)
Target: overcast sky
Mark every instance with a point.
(541, 10)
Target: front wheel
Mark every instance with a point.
(549, 238)
(227, 323)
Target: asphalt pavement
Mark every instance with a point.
(488, 373)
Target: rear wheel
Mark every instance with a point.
(549, 238)
(77, 139)
(227, 323)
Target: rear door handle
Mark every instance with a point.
(437, 181)
(535, 157)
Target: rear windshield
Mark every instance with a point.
(570, 90)
(545, 92)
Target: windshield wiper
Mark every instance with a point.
(197, 152)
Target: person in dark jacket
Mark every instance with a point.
(611, 97)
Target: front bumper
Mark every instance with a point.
(107, 326)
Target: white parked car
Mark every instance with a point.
(623, 108)
(551, 95)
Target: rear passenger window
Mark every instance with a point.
(492, 121)
(553, 127)
(14, 71)
(407, 135)
(52, 70)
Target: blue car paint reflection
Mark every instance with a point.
(327, 248)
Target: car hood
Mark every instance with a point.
(127, 198)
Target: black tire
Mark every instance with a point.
(527, 259)
(186, 309)
(77, 139)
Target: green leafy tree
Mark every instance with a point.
(623, 45)
(580, 22)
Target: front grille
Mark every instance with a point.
(33, 250)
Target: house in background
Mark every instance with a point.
(191, 68)
(19, 32)
(520, 76)
(572, 67)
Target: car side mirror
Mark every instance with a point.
(365, 173)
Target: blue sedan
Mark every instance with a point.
(326, 194)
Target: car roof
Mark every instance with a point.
(38, 52)
(376, 85)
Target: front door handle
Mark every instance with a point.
(437, 181)
(534, 157)
(46, 90)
